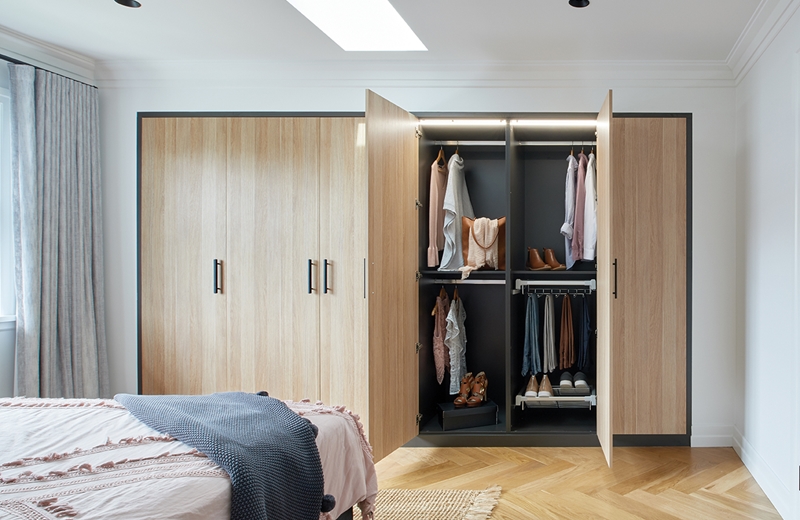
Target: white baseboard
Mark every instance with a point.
(712, 436)
(782, 498)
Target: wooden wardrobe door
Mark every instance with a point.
(605, 278)
(273, 218)
(392, 151)
(649, 320)
(181, 231)
(343, 243)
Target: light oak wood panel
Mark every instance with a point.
(392, 151)
(343, 242)
(570, 483)
(605, 274)
(649, 223)
(182, 212)
(273, 218)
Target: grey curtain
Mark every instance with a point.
(61, 339)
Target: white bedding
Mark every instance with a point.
(90, 458)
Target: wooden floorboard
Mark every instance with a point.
(561, 483)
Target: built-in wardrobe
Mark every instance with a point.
(287, 253)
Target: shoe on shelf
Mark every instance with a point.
(535, 262)
(580, 380)
(532, 390)
(478, 396)
(545, 388)
(566, 380)
(463, 392)
(551, 260)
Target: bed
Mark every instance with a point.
(91, 458)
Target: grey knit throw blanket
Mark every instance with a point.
(268, 450)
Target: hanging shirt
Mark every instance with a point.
(436, 213)
(441, 354)
(456, 342)
(456, 205)
(569, 209)
(580, 203)
(590, 212)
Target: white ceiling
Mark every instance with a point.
(458, 30)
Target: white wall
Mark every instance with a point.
(767, 433)
(708, 95)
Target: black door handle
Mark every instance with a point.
(615, 278)
(310, 265)
(325, 288)
(217, 288)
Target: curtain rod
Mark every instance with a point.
(15, 61)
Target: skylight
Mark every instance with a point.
(361, 25)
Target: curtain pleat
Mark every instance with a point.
(61, 345)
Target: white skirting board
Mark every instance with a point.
(712, 436)
(783, 499)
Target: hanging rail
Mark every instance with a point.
(519, 284)
(468, 281)
(469, 143)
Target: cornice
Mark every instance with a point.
(401, 73)
(47, 56)
(767, 21)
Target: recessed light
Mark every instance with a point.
(578, 3)
(361, 25)
(128, 3)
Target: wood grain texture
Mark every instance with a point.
(273, 218)
(182, 211)
(649, 222)
(605, 282)
(570, 483)
(343, 242)
(392, 151)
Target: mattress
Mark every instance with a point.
(92, 459)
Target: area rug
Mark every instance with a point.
(436, 504)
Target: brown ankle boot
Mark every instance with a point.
(550, 259)
(535, 261)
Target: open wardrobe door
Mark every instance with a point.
(392, 166)
(606, 280)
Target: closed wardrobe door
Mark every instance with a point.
(182, 231)
(273, 219)
(649, 318)
(343, 244)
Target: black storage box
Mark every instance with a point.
(452, 418)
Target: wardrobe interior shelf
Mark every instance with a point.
(434, 427)
(549, 275)
(456, 275)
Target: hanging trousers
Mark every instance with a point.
(531, 362)
(550, 355)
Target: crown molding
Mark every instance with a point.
(47, 56)
(767, 21)
(408, 73)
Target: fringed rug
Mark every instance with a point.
(436, 504)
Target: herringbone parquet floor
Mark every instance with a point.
(576, 484)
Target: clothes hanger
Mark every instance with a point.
(457, 149)
(455, 294)
(581, 146)
(572, 149)
(440, 157)
(442, 295)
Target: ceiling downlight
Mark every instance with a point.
(129, 3)
(578, 3)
